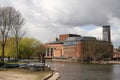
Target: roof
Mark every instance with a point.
(71, 41)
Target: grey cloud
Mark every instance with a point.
(5, 3)
(88, 12)
(61, 16)
(67, 12)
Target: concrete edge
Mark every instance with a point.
(47, 77)
(51, 75)
(58, 77)
(55, 76)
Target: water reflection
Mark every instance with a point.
(116, 72)
(77, 71)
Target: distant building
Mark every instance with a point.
(106, 34)
(73, 46)
(116, 54)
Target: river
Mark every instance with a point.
(77, 71)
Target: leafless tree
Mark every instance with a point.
(17, 30)
(97, 50)
(7, 18)
(5, 25)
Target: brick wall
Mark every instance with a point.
(69, 51)
(63, 37)
(58, 49)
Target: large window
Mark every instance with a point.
(49, 51)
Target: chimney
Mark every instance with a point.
(106, 33)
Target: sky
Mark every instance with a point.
(47, 19)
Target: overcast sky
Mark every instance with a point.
(46, 19)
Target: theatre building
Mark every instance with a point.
(72, 46)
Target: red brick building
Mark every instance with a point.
(71, 46)
(64, 48)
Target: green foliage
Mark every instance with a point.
(28, 47)
(9, 48)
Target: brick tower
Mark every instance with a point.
(106, 33)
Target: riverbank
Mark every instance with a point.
(21, 74)
(93, 62)
(66, 60)
(105, 62)
(114, 62)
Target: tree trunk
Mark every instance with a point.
(3, 50)
(43, 57)
(17, 50)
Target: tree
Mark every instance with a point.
(10, 48)
(40, 50)
(96, 50)
(17, 30)
(26, 48)
(6, 21)
(29, 47)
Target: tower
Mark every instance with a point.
(106, 33)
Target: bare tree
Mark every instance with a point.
(97, 50)
(17, 30)
(5, 25)
(7, 18)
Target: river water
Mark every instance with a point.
(77, 71)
